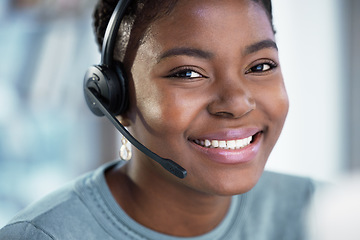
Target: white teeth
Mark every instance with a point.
(231, 144)
(207, 143)
(215, 143)
(222, 144)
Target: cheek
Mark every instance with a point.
(273, 101)
(165, 110)
(282, 106)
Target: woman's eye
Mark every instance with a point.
(188, 74)
(260, 68)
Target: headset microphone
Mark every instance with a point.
(106, 92)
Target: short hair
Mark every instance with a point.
(137, 13)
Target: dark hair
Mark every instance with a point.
(138, 13)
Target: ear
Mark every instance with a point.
(124, 120)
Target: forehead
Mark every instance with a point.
(203, 21)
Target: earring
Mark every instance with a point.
(125, 150)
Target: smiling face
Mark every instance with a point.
(207, 92)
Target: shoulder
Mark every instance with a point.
(283, 192)
(49, 217)
(277, 205)
(284, 184)
(22, 230)
(76, 211)
(33, 220)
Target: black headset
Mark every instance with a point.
(106, 90)
(107, 80)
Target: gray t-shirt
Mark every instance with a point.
(85, 209)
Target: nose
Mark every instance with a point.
(233, 99)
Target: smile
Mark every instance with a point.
(225, 144)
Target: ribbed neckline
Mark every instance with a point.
(120, 220)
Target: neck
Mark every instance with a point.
(153, 202)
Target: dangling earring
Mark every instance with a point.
(125, 150)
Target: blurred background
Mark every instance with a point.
(48, 136)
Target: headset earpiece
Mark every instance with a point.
(110, 86)
(107, 80)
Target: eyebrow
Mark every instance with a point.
(191, 52)
(259, 46)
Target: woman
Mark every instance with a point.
(206, 90)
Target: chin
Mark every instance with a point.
(230, 184)
(236, 189)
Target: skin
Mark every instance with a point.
(224, 94)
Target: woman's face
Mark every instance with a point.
(207, 92)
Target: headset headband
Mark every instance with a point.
(111, 32)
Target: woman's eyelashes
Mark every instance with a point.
(263, 66)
